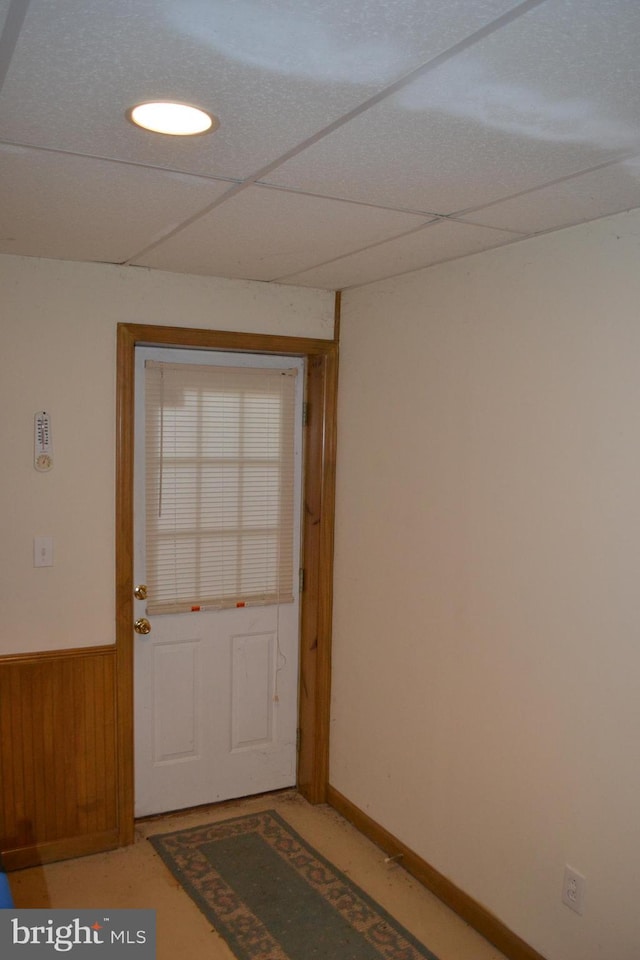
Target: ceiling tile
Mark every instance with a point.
(71, 208)
(4, 9)
(262, 234)
(540, 99)
(600, 193)
(443, 240)
(274, 72)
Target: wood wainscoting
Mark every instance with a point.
(58, 769)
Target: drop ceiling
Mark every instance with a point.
(357, 140)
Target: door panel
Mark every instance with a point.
(174, 672)
(215, 690)
(252, 706)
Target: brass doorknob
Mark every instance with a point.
(140, 592)
(142, 625)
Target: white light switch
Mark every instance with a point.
(43, 551)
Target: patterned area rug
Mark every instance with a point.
(273, 897)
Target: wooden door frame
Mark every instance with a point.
(317, 541)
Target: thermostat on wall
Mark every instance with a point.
(43, 444)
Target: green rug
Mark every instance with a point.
(272, 896)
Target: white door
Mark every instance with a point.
(215, 689)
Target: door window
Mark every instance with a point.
(219, 486)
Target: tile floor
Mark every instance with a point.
(136, 877)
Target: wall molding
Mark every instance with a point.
(472, 912)
(69, 653)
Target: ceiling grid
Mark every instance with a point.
(356, 142)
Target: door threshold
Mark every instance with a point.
(282, 794)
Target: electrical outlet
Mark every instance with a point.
(43, 551)
(573, 889)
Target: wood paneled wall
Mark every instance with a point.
(58, 770)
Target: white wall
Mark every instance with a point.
(58, 347)
(487, 619)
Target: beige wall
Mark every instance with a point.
(58, 326)
(486, 662)
(487, 620)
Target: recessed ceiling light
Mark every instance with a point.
(175, 119)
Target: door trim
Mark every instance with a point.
(316, 602)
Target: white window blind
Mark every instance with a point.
(219, 485)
